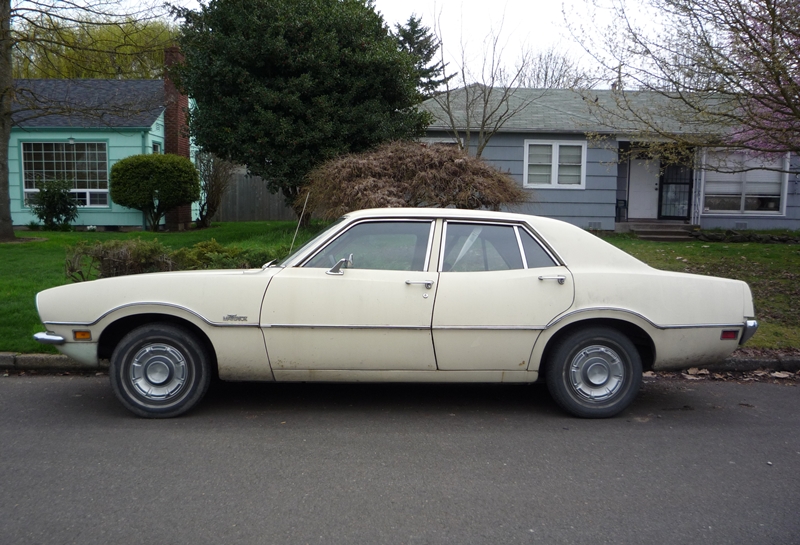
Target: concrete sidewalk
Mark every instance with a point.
(771, 360)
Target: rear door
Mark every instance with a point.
(498, 288)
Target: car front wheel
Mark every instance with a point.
(159, 371)
(594, 372)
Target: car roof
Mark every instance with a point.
(446, 213)
(574, 246)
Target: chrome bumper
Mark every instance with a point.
(49, 338)
(750, 328)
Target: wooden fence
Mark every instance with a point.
(248, 199)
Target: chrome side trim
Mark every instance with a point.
(411, 327)
(490, 327)
(329, 326)
(750, 328)
(49, 338)
(155, 304)
(640, 316)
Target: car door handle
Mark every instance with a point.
(560, 278)
(427, 283)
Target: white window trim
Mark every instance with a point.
(727, 213)
(85, 192)
(554, 167)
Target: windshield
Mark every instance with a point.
(323, 235)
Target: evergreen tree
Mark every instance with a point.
(285, 85)
(421, 42)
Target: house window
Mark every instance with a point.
(84, 163)
(157, 147)
(749, 190)
(555, 164)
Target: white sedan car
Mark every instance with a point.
(406, 295)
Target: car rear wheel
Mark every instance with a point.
(159, 371)
(594, 372)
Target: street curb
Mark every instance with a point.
(58, 362)
(45, 362)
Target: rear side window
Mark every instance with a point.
(535, 255)
(471, 247)
(480, 247)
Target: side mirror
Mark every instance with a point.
(344, 262)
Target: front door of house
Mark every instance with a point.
(676, 192)
(643, 189)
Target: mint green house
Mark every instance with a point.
(76, 130)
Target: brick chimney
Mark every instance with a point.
(176, 133)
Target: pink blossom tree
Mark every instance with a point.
(726, 73)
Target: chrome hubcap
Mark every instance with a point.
(596, 373)
(158, 371)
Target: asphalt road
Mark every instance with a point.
(689, 462)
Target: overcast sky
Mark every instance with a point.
(537, 24)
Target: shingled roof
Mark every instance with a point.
(87, 103)
(572, 111)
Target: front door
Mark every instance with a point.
(643, 189)
(372, 311)
(676, 192)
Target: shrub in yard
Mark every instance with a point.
(216, 175)
(53, 204)
(210, 254)
(408, 174)
(86, 261)
(154, 184)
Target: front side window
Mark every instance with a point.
(85, 164)
(555, 164)
(748, 189)
(383, 245)
(471, 247)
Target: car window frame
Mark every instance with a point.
(517, 226)
(333, 239)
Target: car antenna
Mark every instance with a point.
(299, 220)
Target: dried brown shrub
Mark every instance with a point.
(412, 174)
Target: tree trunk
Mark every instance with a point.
(6, 94)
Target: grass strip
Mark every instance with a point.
(771, 270)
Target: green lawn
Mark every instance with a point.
(772, 270)
(29, 267)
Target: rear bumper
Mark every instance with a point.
(750, 328)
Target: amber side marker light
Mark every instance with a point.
(729, 335)
(82, 335)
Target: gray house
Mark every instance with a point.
(583, 168)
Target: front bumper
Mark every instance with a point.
(49, 338)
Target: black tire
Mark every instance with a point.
(159, 371)
(594, 372)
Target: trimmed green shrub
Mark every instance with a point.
(154, 184)
(54, 205)
(86, 261)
